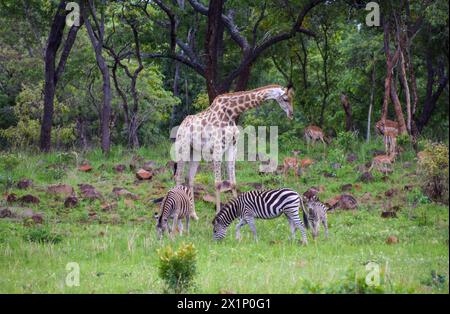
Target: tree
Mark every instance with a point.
(218, 75)
(53, 72)
(97, 37)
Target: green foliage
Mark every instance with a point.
(201, 102)
(178, 268)
(434, 170)
(42, 234)
(346, 140)
(28, 110)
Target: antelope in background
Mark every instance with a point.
(382, 163)
(291, 162)
(390, 130)
(314, 133)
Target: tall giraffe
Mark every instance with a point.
(213, 132)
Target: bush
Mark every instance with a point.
(433, 169)
(346, 140)
(178, 268)
(42, 235)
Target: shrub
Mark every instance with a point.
(178, 268)
(346, 140)
(433, 169)
(42, 235)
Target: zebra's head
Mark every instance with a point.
(161, 226)
(219, 229)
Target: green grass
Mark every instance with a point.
(117, 250)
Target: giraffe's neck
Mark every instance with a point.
(233, 105)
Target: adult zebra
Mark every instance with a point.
(260, 204)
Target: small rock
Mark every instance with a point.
(89, 192)
(85, 168)
(407, 165)
(29, 199)
(11, 198)
(389, 214)
(334, 202)
(63, 189)
(366, 177)
(361, 168)
(329, 175)
(6, 213)
(347, 202)
(125, 193)
(37, 218)
(24, 184)
(119, 168)
(351, 158)
(390, 192)
(392, 240)
(71, 201)
(143, 174)
(336, 165)
(107, 207)
(346, 187)
(149, 165)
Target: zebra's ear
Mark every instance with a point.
(155, 215)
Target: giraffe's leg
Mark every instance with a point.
(217, 182)
(180, 172)
(193, 167)
(232, 168)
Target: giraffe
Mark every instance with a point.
(213, 132)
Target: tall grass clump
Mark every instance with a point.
(178, 268)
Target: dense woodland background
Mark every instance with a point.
(133, 69)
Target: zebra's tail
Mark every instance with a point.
(305, 214)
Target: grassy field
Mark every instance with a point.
(117, 250)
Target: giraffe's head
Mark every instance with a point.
(284, 97)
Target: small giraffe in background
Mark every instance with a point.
(314, 133)
(214, 132)
(291, 162)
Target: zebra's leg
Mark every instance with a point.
(193, 167)
(174, 226)
(293, 229)
(187, 224)
(325, 226)
(251, 224)
(180, 227)
(299, 225)
(241, 223)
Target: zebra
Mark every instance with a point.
(177, 204)
(315, 214)
(266, 204)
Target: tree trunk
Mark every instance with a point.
(53, 43)
(348, 112)
(372, 95)
(212, 46)
(97, 44)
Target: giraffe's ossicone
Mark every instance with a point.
(212, 134)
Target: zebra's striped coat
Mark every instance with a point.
(263, 205)
(314, 214)
(177, 204)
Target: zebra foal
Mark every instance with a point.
(314, 214)
(263, 205)
(177, 204)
